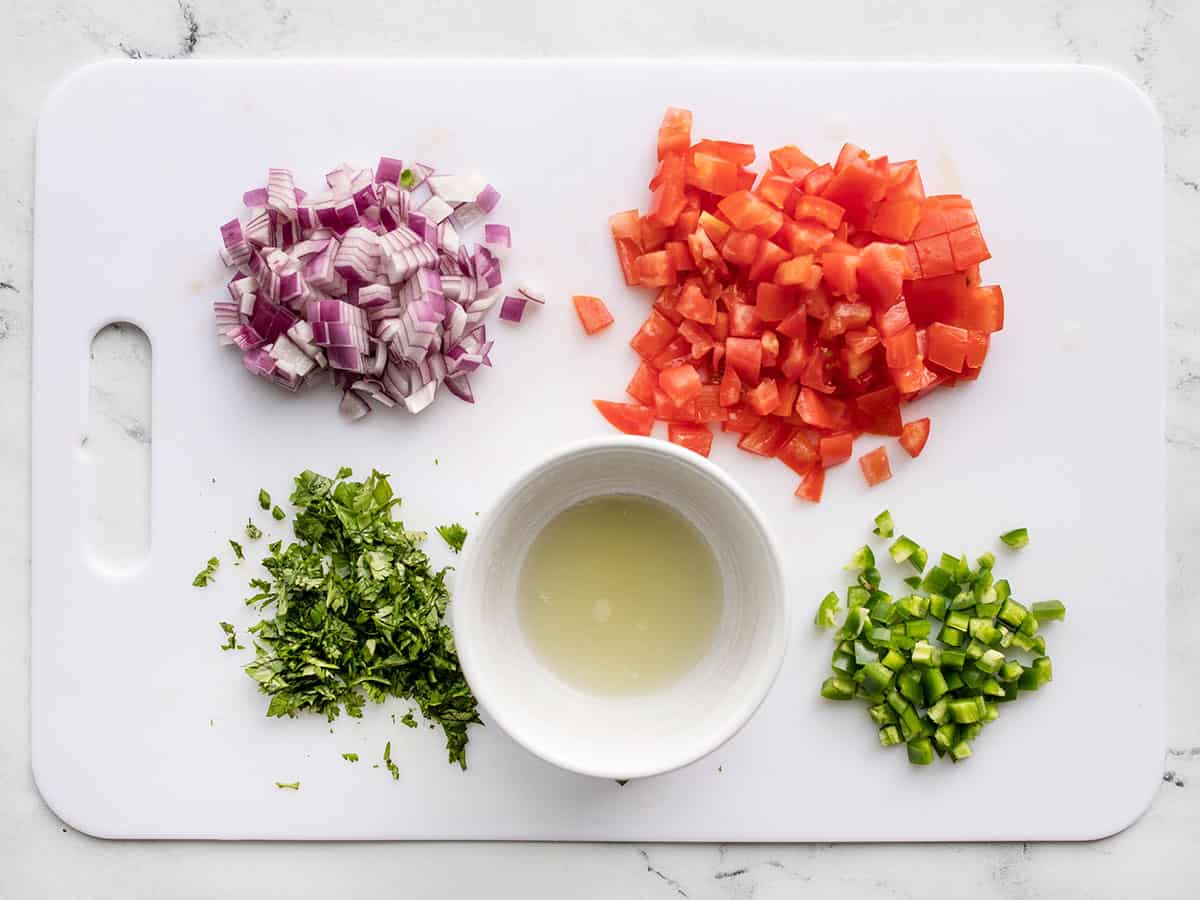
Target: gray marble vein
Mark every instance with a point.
(1152, 41)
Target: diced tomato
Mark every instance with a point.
(627, 417)
(767, 437)
(881, 269)
(977, 348)
(627, 254)
(794, 271)
(708, 404)
(893, 319)
(744, 321)
(693, 437)
(841, 273)
(793, 359)
(910, 378)
(740, 247)
(914, 435)
(835, 449)
(680, 256)
(664, 303)
(720, 328)
(667, 410)
(696, 335)
(788, 392)
(712, 173)
(967, 247)
(750, 212)
(935, 255)
(796, 324)
(766, 260)
(741, 420)
(689, 219)
(820, 209)
(775, 189)
(641, 386)
(810, 409)
(677, 351)
(932, 221)
(947, 346)
(878, 411)
(770, 345)
(593, 314)
(626, 226)
(862, 340)
(901, 347)
(731, 388)
(654, 269)
(763, 398)
(792, 162)
(694, 304)
(744, 355)
(817, 180)
(812, 485)
(715, 228)
(799, 453)
(656, 332)
(857, 187)
(654, 237)
(875, 466)
(773, 302)
(803, 237)
(675, 132)
(842, 317)
(742, 154)
(816, 374)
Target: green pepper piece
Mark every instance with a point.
(991, 712)
(902, 549)
(1003, 590)
(918, 628)
(951, 638)
(939, 713)
(920, 752)
(1022, 642)
(992, 688)
(973, 678)
(843, 663)
(965, 712)
(945, 736)
(936, 580)
(898, 703)
(909, 685)
(939, 607)
(958, 620)
(889, 735)
(970, 732)
(960, 751)
(919, 559)
(876, 678)
(954, 680)
(976, 649)
(953, 659)
(914, 606)
(1011, 670)
(856, 620)
(990, 662)
(1039, 645)
(934, 683)
(837, 687)
(827, 612)
(987, 561)
(913, 582)
(894, 660)
(910, 724)
(870, 578)
(1029, 626)
(857, 595)
(882, 714)
(1012, 613)
(1049, 611)
(884, 526)
(879, 636)
(924, 653)
(863, 558)
(1017, 538)
(864, 654)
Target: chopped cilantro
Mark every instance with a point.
(407, 179)
(454, 535)
(409, 720)
(278, 514)
(621, 781)
(288, 785)
(264, 499)
(204, 576)
(231, 634)
(237, 550)
(350, 757)
(387, 761)
(356, 613)
(253, 531)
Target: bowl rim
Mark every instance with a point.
(466, 642)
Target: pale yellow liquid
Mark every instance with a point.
(620, 594)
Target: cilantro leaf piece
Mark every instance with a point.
(408, 719)
(231, 634)
(454, 535)
(264, 499)
(350, 757)
(387, 761)
(204, 576)
(407, 179)
(278, 514)
(288, 785)
(237, 550)
(253, 531)
(352, 611)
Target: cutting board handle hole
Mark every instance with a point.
(115, 449)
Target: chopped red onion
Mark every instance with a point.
(512, 309)
(372, 279)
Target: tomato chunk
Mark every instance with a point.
(656, 332)
(680, 383)
(697, 438)
(947, 346)
(878, 411)
(768, 436)
(593, 314)
(675, 132)
(763, 398)
(812, 485)
(835, 449)
(744, 355)
(914, 435)
(627, 417)
(641, 386)
(875, 466)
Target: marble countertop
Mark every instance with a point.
(1150, 41)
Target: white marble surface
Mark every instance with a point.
(1151, 41)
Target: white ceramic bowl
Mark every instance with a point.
(628, 736)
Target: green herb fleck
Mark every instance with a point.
(253, 531)
(278, 514)
(621, 781)
(1017, 538)
(264, 499)
(237, 550)
(408, 719)
(407, 179)
(204, 576)
(356, 613)
(387, 761)
(231, 635)
(454, 535)
(350, 757)
(288, 785)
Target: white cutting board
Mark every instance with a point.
(139, 162)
